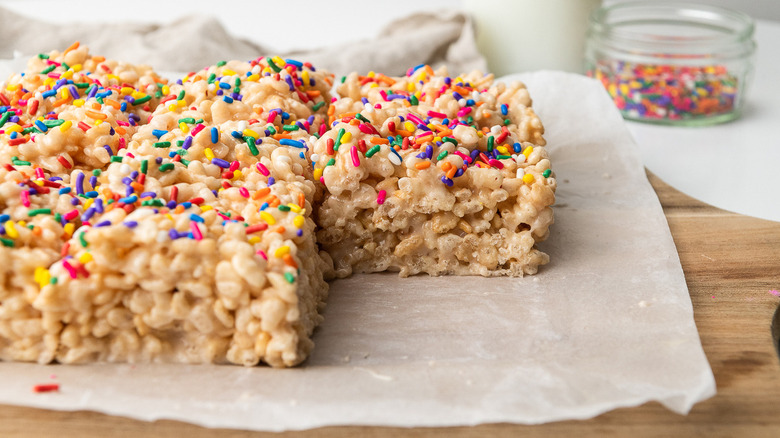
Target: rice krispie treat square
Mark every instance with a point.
(435, 174)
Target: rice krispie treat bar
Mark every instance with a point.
(194, 242)
(435, 174)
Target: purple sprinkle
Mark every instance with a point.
(221, 163)
(88, 214)
(173, 234)
(75, 201)
(364, 100)
(187, 143)
(130, 224)
(98, 205)
(93, 181)
(299, 232)
(127, 180)
(310, 120)
(289, 81)
(80, 183)
(271, 180)
(92, 92)
(55, 178)
(149, 194)
(158, 160)
(134, 174)
(103, 224)
(129, 191)
(171, 204)
(73, 91)
(109, 150)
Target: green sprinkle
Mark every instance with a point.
(157, 94)
(100, 100)
(360, 117)
(65, 66)
(116, 159)
(48, 69)
(82, 240)
(331, 162)
(162, 144)
(96, 172)
(275, 67)
(181, 95)
(30, 129)
(250, 142)
(82, 85)
(289, 277)
(318, 106)
(503, 157)
(53, 280)
(199, 121)
(290, 127)
(53, 123)
(189, 120)
(142, 100)
(4, 118)
(7, 242)
(180, 152)
(491, 140)
(442, 155)
(470, 120)
(374, 149)
(185, 162)
(547, 173)
(414, 100)
(283, 208)
(37, 211)
(338, 139)
(20, 163)
(211, 78)
(144, 166)
(43, 56)
(179, 143)
(166, 167)
(450, 140)
(272, 130)
(506, 122)
(221, 63)
(343, 78)
(237, 82)
(58, 217)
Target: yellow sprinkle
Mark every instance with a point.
(78, 102)
(67, 75)
(409, 126)
(42, 276)
(250, 133)
(206, 208)
(480, 134)
(295, 208)
(22, 224)
(48, 81)
(435, 139)
(69, 228)
(13, 87)
(299, 221)
(208, 153)
(266, 216)
(98, 122)
(281, 251)
(279, 62)
(64, 93)
(168, 215)
(184, 128)
(373, 85)
(138, 94)
(371, 74)
(181, 103)
(228, 72)
(503, 150)
(10, 230)
(254, 239)
(126, 91)
(346, 138)
(39, 182)
(13, 128)
(528, 178)
(172, 107)
(410, 87)
(88, 203)
(528, 151)
(254, 77)
(317, 173)
(305, 77)
(85, 258)
(76, 67)
(237, 174)
(166, 89)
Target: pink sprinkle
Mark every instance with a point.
(122, 123)
(383, 94)
(465, 157)
(495, 163)
(262, 169)
(71, 270)
(464, 111)
(244, 192)
(39, 173)
(26, 197)
(355, 158)
(262, 254)
(378, 106)
(122, 143)
(199, 127)
(437, 114)
(775, 293)
(271, 117)
(366, 129)
(196, 234)
(323, 128)
(380, 197)
(234, 165)
(71, 214)
(414, 118)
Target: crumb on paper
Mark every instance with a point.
(46, 387)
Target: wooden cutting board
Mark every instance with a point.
(731, 264)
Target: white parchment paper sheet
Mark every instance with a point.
(607, 324)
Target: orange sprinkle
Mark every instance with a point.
(281, 230)
(354, 122)
(446, 166)
(73, 46)
(345, 115)
(61, 102)
(37, 230)
(95, 105)
(403, 133)
(451, 172)
(112, 103)
(275, 202)
(289, 260)
(120, 130)
(261, 193)
(313, 93)
(378, 140)
(423, 165)
(179, 209)
(281, 136)
(98, 59)
(95, 115)
(137, 187)
(301, 200)
(387, 80)
(331, 110)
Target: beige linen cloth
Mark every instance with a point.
(193, 42)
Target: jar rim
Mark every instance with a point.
(606, 21)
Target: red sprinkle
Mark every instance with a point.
(256, 227)
(64, 161)
(47, 387)
(380, 197)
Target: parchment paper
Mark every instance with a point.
(607, 324)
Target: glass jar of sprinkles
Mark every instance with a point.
(672, 63)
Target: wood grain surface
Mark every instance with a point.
(731, 263)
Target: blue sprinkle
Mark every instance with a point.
(196, 218)
(224, 85)
(504, 109)
(64, 190)
(517, 147)
(159, 133)
(91, 194)
(447, 181)
(298, 64)
(293, 143)
(227, 99)
(123, 107)
(129, 200)
(470, 102)
(4, 218)
(237, 135)
(49, 93)
(214, 134)
(39, 124)
(130, 224)
(262, 207)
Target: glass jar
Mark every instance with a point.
(672, 63)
